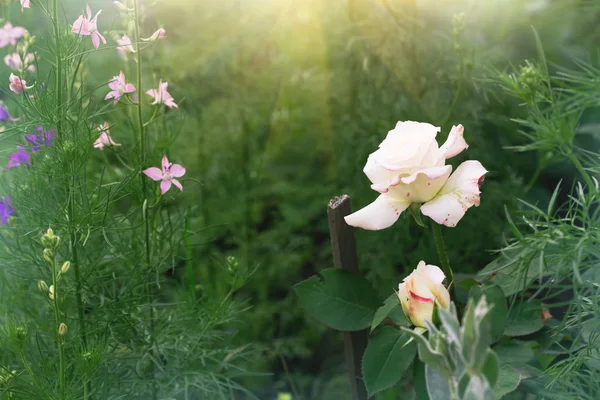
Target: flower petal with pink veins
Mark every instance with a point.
(165, 186)
(455, 143)
(154, 173)
(460, 192)
(165, 163)
(177, 183)
(177, 170)
(380, 214)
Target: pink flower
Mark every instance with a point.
(17, 84)
(104, 139)
(161, 95)
(125, 46)
(159, 34)
(25, 4)
(87, 26)
(167, 175)
(119, 87)
(10, 34)
(14, 61)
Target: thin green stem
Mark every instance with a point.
(143, 156)
(59, 133)
(586, 177)
(439, 244)
(61, 351)
(58, 72)
(75, 264)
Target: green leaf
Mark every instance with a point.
(415, 211)
(387, 356)
(478, 389)
(524, 318)
(437, 384)
(491, 367)
(513, 353)
(508, 381)
(427, 354)
(339, 299)
(391, 309)
(419, 381)
(495, 298)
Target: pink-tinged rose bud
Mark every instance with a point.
(409, 167)
(420, 291)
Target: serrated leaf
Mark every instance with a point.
(513, 353)
(387, 357)
(391, 308)
(524, 318)
(508, 381)
(339, 299)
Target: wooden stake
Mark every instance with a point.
(343, 246)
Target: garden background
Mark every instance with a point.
(282, 101)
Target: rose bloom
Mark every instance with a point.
(409, 167)
(420, 291)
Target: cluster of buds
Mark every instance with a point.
(51, 242)
(6, 382)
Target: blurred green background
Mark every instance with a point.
(282, 101)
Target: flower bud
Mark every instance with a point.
(65, 267)
(62, 329)
(42, 286)
(51, 292)
(49, 239)
(420, 291)
(49, 255)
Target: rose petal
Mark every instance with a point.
(153, 173)
(380, 214)
(455, 143)
(431, 173)
(460, 192)
(432, 272)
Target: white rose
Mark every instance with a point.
(409, 168)
(420, 291)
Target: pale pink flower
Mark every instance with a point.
(88, 26)
(105, 139)
(17, 84)
(159, 34)
(161, 95)
(119, 87)
(25, 4)
(15, 61)
(409, 167)
(167, 175)
(10, 34)
(125, 46)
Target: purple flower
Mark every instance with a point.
(5, 209)
(22, 156)
(43, 138)
(4, 115)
